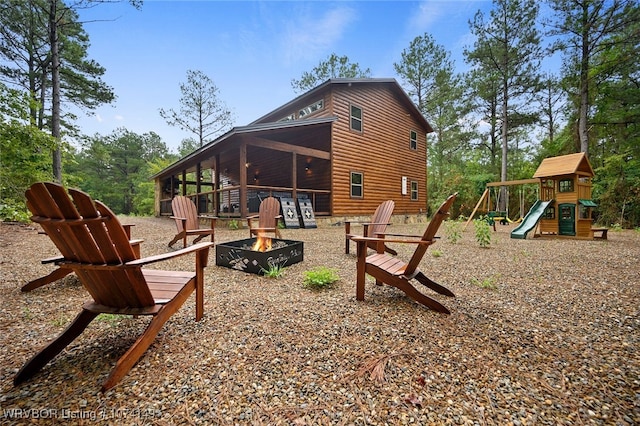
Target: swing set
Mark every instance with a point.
(493, 214)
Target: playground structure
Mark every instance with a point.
(494, 215)
(564, 205)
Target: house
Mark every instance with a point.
(565, 181)
(344, 146)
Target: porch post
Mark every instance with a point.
(216, 188)
(294, 176)
(243, 180)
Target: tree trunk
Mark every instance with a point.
(505, 146)
(55, 88)
(583, 113)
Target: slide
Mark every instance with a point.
(530, 220)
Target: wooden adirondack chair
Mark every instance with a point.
(186, 217)
(388, 269)
(62, 271)
(96, 248)
(268, 215)
(378, 225)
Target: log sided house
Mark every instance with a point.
(346, 145)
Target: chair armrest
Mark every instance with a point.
(387, 240)
(169, 255)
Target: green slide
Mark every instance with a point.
(530, 220)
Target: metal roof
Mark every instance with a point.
(351, 81)
(184, 162)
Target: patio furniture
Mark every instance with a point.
(267, 217)
(186, 216)
(377, 225)
(388, 269)
(99, 252)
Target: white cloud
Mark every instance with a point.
(310, 36)
(118, 117)
(99, 118)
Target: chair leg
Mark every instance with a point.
(54, 348)
(346, 245)
(141, 345)
(390, 251)
(424, 280)
(410, 291)
(361, 269)
(177, 237)
(59, 273)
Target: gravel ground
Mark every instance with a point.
(554, 343)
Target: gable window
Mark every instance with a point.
(356, 184)
(565, 185)
(288, 118)
(316, 106)
(414, 190)
(413, 140)
(356, 118)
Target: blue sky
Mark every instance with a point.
(251, 50)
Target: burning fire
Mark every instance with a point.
(263, 243)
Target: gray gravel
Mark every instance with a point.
(554, 343)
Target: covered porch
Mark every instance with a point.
(230, 176)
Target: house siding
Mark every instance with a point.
(381, 151)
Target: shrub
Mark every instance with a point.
(452, 230)
(483, 232)
(233, 224)
(320, 277)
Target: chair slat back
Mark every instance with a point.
(380, 218)
(183, 207)
(430, 233)
(89, 233)
(269, 209)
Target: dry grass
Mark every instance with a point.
(554, 343)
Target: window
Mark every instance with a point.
(550, 213)
(414, 190)
(585, 212)
(288, 118)
(311, 108)
(413, 140)
(356, 184)
(356, 118)
(565, 185)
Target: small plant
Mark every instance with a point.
(452, 230)
(436, 253)
(233, 224)
(616, 227)
(111, 319)
(320, 277)
(637, 229)
(60, 321)
(274, 271)
(26, 312)
(483, 232)
(488, 283)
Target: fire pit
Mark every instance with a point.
(256, 255)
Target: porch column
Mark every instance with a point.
(243, 180)
(216, 181)
(294, 176)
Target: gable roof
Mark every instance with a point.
(392, 83)
(564, 165)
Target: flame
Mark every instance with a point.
(262, 243)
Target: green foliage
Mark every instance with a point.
(616, 227)
(487, 283)
(333, 67)
(233, 224)
(111, 319)
(274, 271)
(201, 111)
(483, 232)
(12, 211)
(436, 253)
(115, 169)
(320, 278)
(453, 231)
